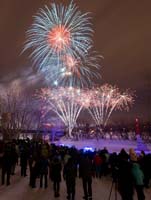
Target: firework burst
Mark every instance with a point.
(57, 31)
(75, 72)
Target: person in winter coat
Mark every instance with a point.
(23, 162)
(86, 172)
(34, 166)
(43, 171)
(138, 180)
(14, 159)
(69, 174)
(56, 175)
(145, 164)
(124, 176)
(97, 165)
(6, 165)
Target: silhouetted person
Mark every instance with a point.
(14, 159)
(69, 174)
(125, 178)
(23, 162)
(56, 175)
(6, 166)
(145, 164)
(86, 172)
(43, 165)
(34, 166)
(32, 178)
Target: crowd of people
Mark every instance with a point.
(48, 161)
(111, 132)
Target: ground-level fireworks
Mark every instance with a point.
(103, 100)
(66, 103)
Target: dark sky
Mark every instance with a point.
(122, 35)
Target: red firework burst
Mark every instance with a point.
(72, 64)
(59, 38)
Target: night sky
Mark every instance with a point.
(122, 34)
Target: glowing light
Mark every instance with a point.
(63, 69)
(56, 83)
(68, 73)
(86, 149)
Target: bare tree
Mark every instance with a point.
(16, 112)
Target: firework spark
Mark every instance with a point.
(65, 102)
(57, 31)
(104, 100)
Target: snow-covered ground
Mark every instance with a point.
(19, 190)
(111, 145)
